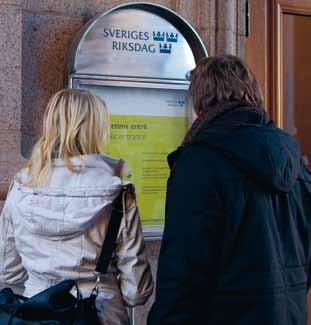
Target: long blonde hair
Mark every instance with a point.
(75, 123)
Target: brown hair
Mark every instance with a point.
(220, 80)
(219, 84)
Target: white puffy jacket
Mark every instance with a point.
(54, 233)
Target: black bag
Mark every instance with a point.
(56, 305)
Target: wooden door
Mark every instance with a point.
(291, 50)
(279, 52)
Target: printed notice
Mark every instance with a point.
(146, 125)
(144, 142)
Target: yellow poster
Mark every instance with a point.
(144, 142)
(146, 125)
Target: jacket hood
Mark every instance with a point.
(256, 146)
(70, 202)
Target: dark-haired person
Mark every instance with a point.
(236, 245)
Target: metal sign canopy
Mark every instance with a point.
(137, 41)
(136, 57)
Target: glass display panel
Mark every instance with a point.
(146, 125)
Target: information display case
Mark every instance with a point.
(136, 57)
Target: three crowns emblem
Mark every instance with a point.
(159, 37)
(171, 37)
(165, 48)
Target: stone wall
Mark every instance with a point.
(35, 36)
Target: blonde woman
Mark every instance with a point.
(57, 212)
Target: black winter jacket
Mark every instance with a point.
(236, 245)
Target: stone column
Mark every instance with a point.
(10, 93)
(33, 47)
(46, 40)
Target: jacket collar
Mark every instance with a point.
(236, 115)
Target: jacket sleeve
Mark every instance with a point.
(12, 273)
(136, 282)
(191, 242)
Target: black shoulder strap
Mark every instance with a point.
(109, 244)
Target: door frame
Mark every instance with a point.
(279, 8)
(257, 46)
(263, 48)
